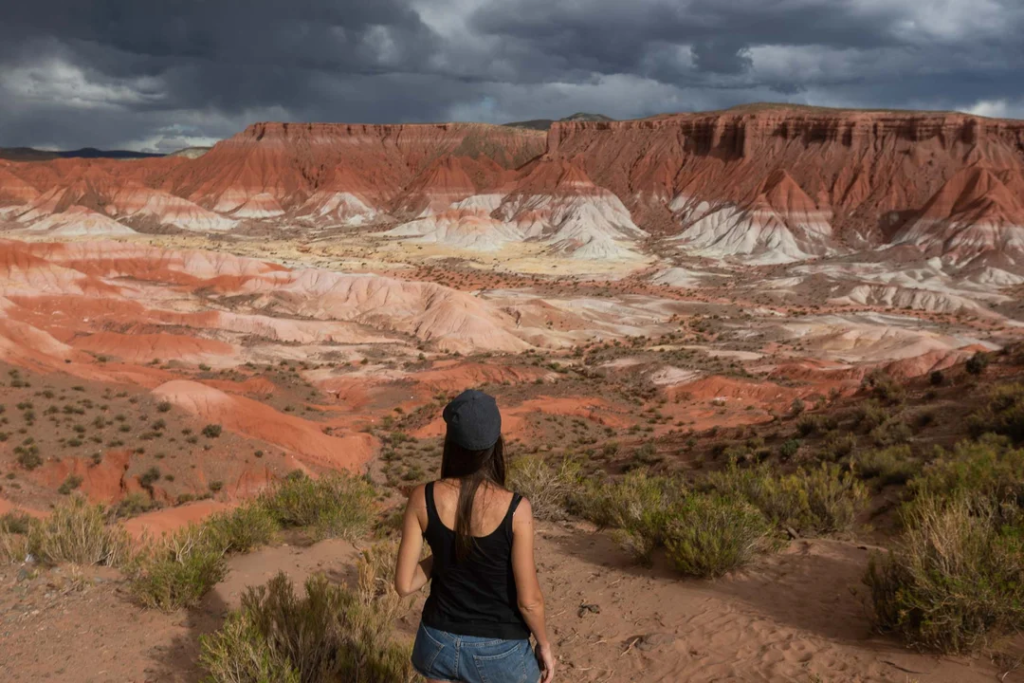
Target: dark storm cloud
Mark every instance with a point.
(160, 74)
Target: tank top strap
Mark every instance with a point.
(507, 522)
(432, 518)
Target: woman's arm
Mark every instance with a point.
(531, 600)
(411, 574)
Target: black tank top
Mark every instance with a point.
(475, 597)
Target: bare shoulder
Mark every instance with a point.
(418, 493)
(418, 497)
(523, 515)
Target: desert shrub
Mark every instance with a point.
(149, 477)
(30, 459)
(76, 532)
(956, 578)
(72, 482)
(977, 363)
(789, 448)
(834, 498)
(328, 635)
(177, 571)
(245, 528)
(212, 431)
(883, 387)
(13, 547)
(891, 433)
(807, 425)
(894, 465)
(1003, 414)
(132, 505)
(239, 653)
(988, 469)
(709, 535)
(647, 455)
(870, 414)
(336, 505)
(797, 406)
(548, 487)
(14, 541)
(637, 506)
(375, 571)
(163, 406)
(15, 523)
(837, 445)
(937, 379)
(822, 500)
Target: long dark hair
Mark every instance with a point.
(471, 468)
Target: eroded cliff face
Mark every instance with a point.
(767, 184)
(860, 166)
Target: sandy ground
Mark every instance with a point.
(797, 616)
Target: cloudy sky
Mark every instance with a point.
(160, 75)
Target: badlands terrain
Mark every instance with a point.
(180, 334)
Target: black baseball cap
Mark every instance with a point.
(473, 420)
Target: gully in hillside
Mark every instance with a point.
(485, 599)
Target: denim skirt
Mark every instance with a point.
(444, 656)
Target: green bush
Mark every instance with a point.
(892, 432)
(212, 431)
(977, 363)
(956, 578)
(637, 506)
(836, 446)
(72, 482)
(30, 459)
(15, 523)
(178, 571)
(989, 469)
(13, 547)
(808, 425)
(709, 535)
(547, 487)
(14, 540)
(76, 532)
(132, 505)
(870, 414)
(823, 500)
(245, 528)
(336, 505)
(1004, 414)
(895, 465)
(329, 635)
(239, 653)
(883, 387)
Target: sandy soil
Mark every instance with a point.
(797, 616)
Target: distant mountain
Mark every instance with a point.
(544, 124)
(30, 154)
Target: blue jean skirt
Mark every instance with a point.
(444, 656)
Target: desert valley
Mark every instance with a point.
(800, 325)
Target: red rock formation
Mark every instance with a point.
(859, 165)
(809, 179)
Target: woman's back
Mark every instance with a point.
(485, 599)
(475, 595)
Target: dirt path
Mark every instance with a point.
(799, 616)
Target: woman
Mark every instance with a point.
(485, 599)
